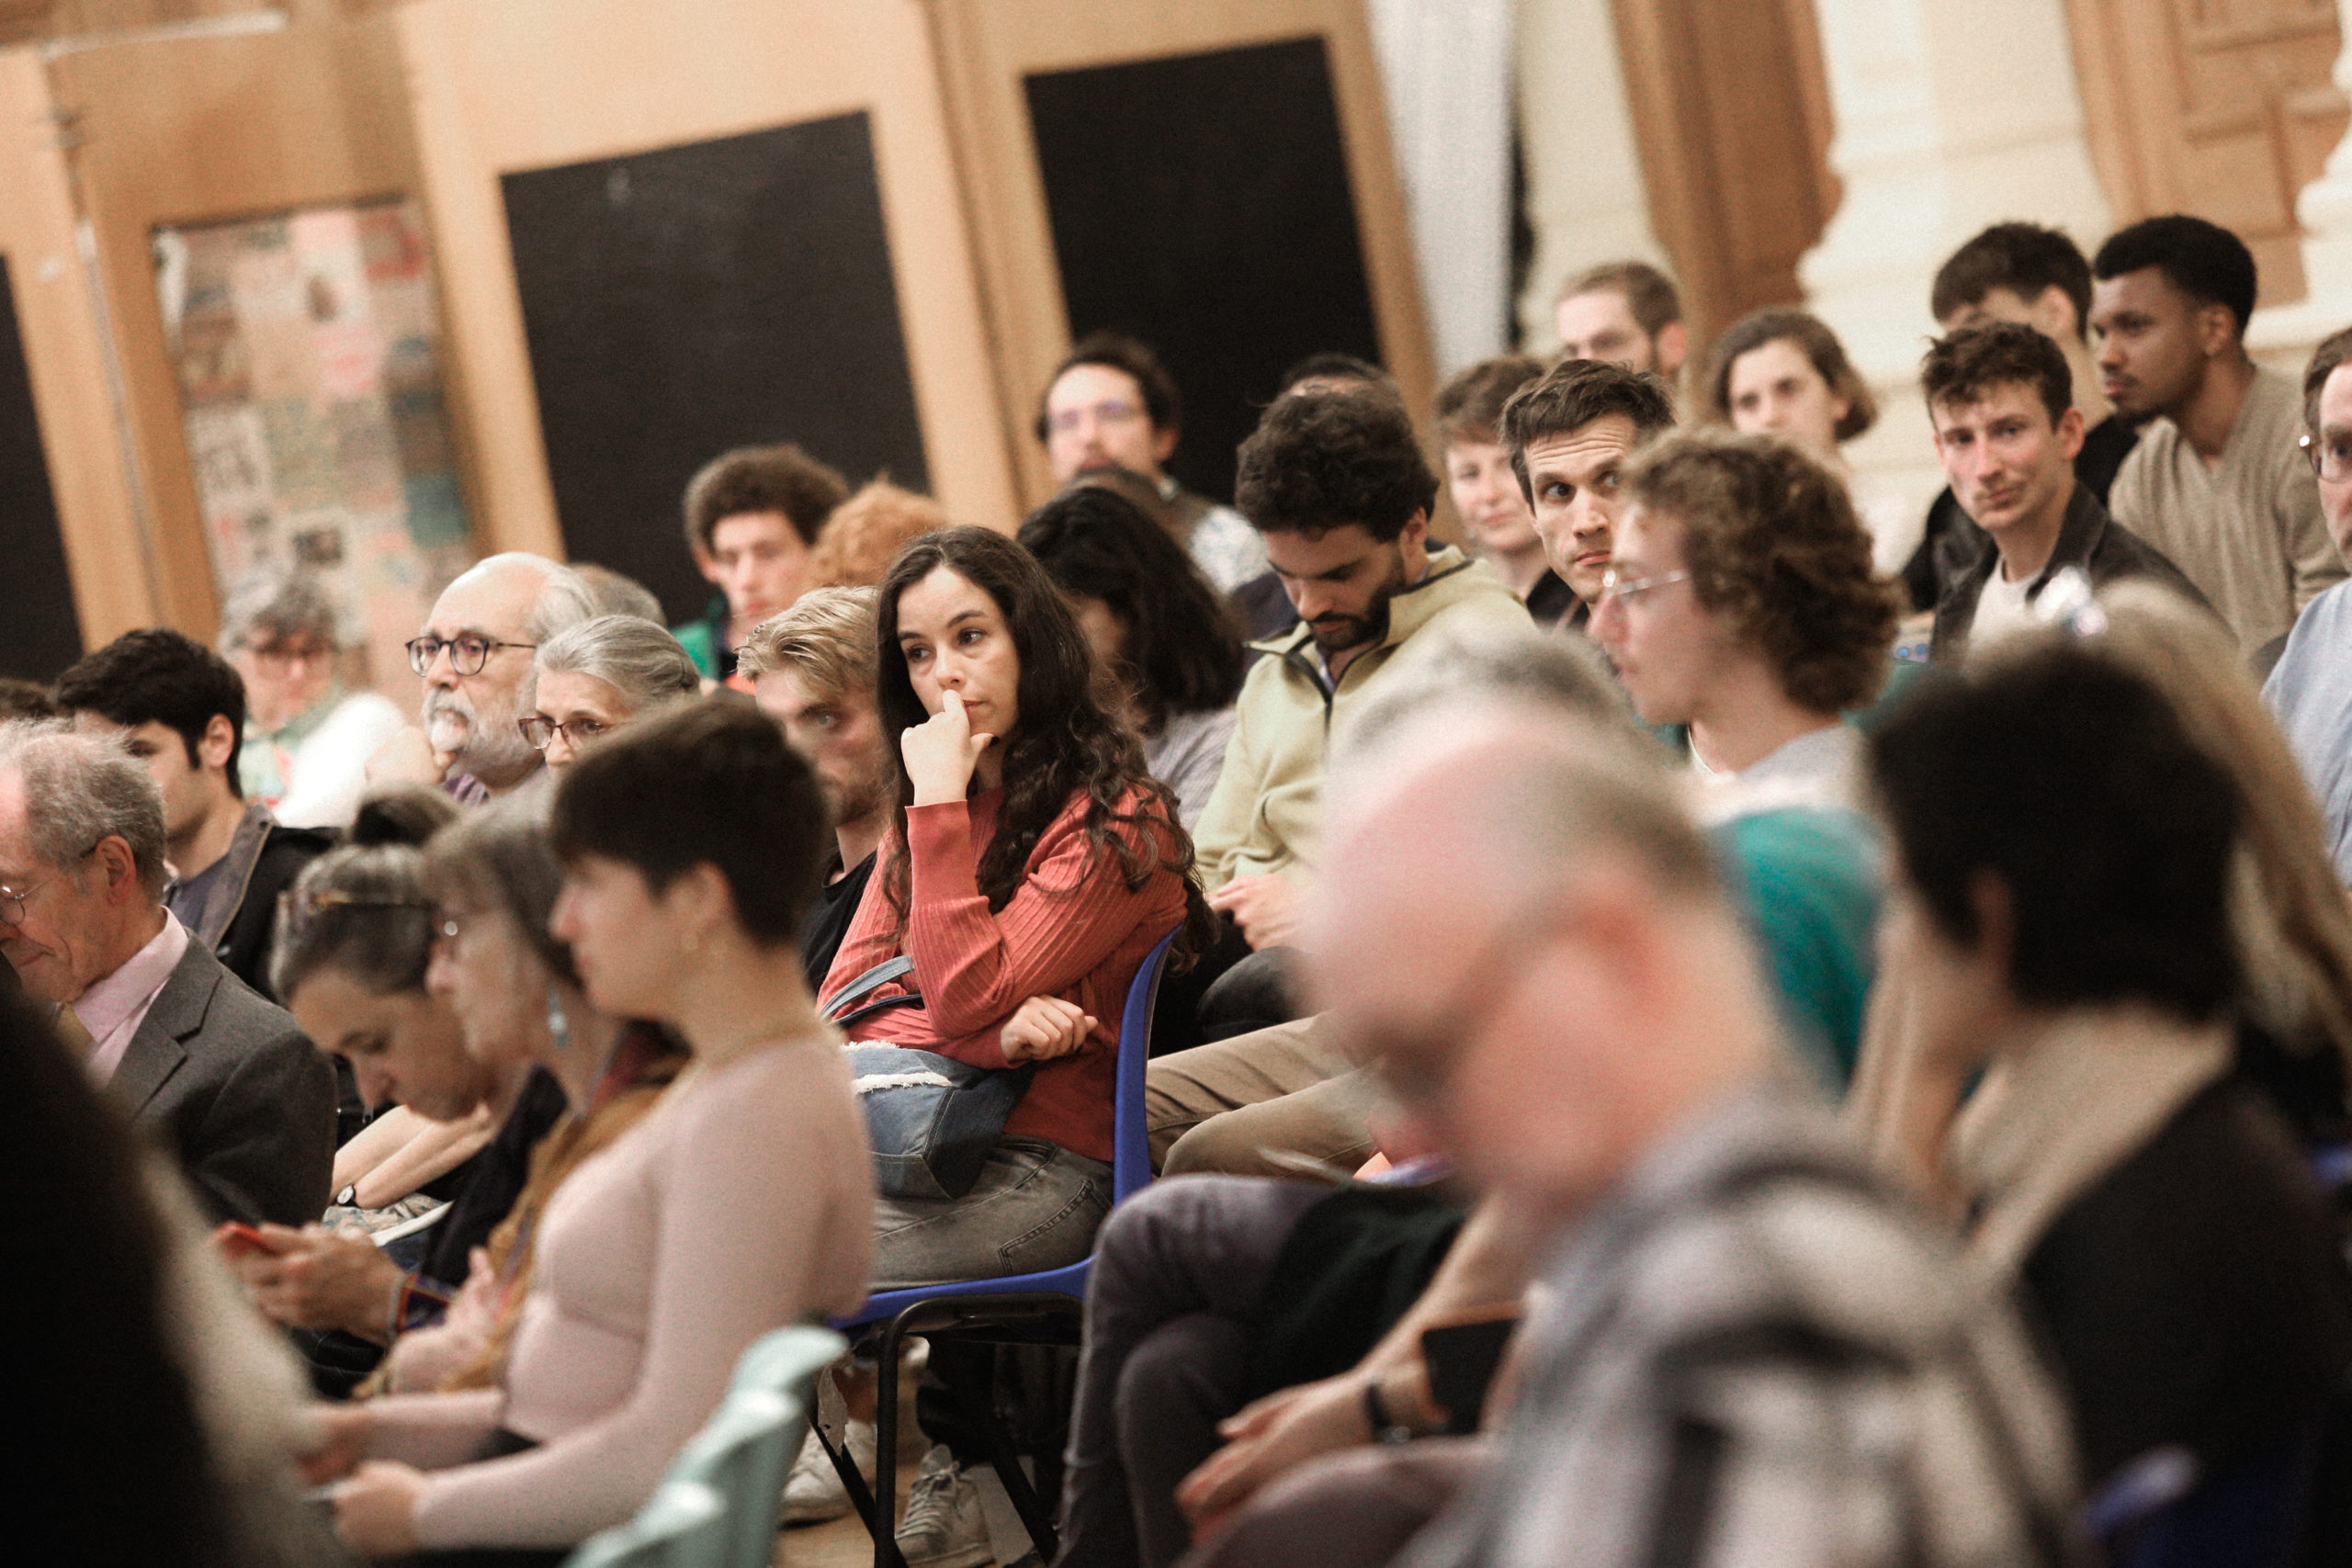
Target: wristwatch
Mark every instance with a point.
(1385, 1428)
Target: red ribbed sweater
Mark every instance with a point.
(1071, 930)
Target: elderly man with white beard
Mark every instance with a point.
(475, 656)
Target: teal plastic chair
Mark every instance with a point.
(738, 1460)
(684, 1525)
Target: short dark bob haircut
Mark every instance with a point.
(1184, 653)
(708, 782)
(2070, 782)
(1320, 460)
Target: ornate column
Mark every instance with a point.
(1948, 119)
(1586, 197)
(2284, 336)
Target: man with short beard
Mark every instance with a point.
(1336, 485)
(475, 656)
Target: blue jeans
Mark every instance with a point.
(1035, 1206)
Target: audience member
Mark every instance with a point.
(616, 593)
(691, 845)
(1031, 865)
(224, 1078)
(1336, 485)
(24, 699)
(1740, 603)
(2036, 277)
(866, 532)
(473, 655)
(1113, 403)
(351, 961)
(1154, 623)
(599, 675)
(1783, 372)
(811, 669)
(163, 1420)
(2311, 687)
(2214, 483)
(307, 737)
(2063, 917)
(1700, 1375)
(1330, 371)
(493, 879)
(2007, 433)
(180, 709)
(753, 516)
(1568, 434)
(1625, 313)
(1484, 490)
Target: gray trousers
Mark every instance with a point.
(1357, 1508)
(1222, 1108)
(1035, 1206)
(1178, 1277)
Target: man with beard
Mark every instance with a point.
(475, 656)
(1336, 485)
(811, 669)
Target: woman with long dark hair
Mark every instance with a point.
(1155, 625)
(1031, 865)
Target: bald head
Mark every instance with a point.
(1521, 926)
(504, 607)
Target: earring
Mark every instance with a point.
(558, 1023)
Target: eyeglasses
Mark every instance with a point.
(1615, 587)
(12, 899)
(2330, 459)
(468, 653)
(540, 730)
(1110, 410)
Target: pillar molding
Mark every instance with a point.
(1585, 197)
(2284, 336)
(1948, 119)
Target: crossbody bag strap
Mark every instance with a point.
(844, 1008)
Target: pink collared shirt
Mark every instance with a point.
(113, 1008)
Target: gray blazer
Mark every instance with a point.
(235, 1088)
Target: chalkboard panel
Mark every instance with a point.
(685, 300)
(44, 635)
(1202, 202)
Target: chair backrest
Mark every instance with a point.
(1130, 1139)
(743, 1453)
(683, 1526)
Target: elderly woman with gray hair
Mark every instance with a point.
(598, 676)
(307, 737)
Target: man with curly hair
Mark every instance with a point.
(2001, 398)
(1740, 603)
(1336, 485)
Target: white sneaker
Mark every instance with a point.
(943, 1526)
(813, 1493)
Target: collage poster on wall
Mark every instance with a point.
(307, 347)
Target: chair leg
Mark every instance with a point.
(1006, 1460)
(884, 1520)
(860, 1497)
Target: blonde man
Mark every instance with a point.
(811, 668)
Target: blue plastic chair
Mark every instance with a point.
(737, 1462)
(1045, 1308)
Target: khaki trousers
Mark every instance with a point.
(1226, 1107)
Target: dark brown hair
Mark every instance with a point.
(763, 479)
(1328, 459)
(2024, 258)
(1470, 406)
(1772, 541)
(1972, 361)
(1063, 743)
(1573, 394)
(1650, 296)
(1780, 323)
(1116, 350)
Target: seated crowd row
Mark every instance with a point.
(1515, 973)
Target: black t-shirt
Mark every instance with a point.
(494, 1180)
(1550, 599)
(2195, 1295)
(829, 918)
